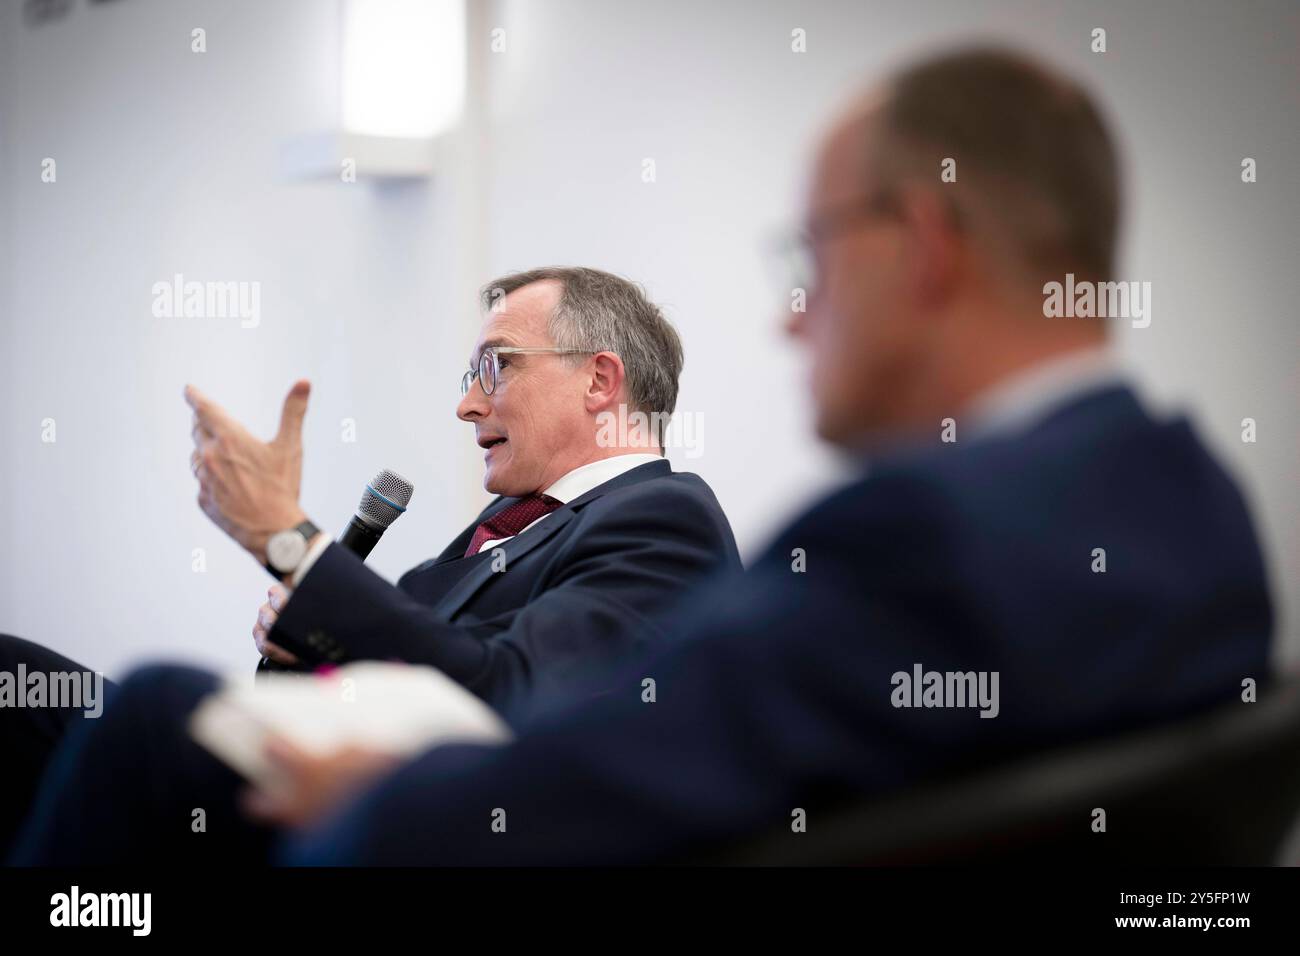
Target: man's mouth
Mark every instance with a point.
(490, 441)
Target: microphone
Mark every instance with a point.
(383, 502)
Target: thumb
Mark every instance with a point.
(295, 409)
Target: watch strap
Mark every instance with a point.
(308, 531)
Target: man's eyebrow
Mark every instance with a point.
(487, 344)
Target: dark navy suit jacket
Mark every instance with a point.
(779, 693)
(540, 614)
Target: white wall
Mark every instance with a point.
(167, 163)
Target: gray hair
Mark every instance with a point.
(601, 312)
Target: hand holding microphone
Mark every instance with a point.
(383, 501)
(249, 489)
(266, 617)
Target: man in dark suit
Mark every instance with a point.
(558, 579)
(560, 576)
(537, 613)
(1031, 559)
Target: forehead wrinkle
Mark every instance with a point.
(500, 338)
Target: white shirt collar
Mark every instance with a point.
(582, 479)
(1024, 398)
(585, 477)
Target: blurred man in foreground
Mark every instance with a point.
(1024, 522)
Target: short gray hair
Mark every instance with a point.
(601, 312)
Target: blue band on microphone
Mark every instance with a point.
(391, 504)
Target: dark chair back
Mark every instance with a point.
(1221, 788)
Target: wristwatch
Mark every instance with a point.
(286, 549)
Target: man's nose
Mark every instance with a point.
(473, 404)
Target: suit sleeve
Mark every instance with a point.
(594, 603)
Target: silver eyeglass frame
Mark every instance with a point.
(489, 364)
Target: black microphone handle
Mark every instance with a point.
(359, 538)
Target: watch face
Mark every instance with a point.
(285, 550)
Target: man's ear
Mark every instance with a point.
(934, 244)
(606, 384)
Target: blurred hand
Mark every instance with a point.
(314, 785)
(266, 617)
(247, 487)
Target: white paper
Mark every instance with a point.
(399, 709)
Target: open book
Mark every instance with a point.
(400, 709)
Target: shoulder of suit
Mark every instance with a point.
(675, 489)
(947, 481)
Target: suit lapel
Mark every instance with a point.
(513, 550)
(457, 547)
(481, 573)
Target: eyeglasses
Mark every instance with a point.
(488, 372)
(795, 253)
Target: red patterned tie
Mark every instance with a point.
(512, 519)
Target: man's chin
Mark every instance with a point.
(833, 430)
(851, 434)
(497, 482)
